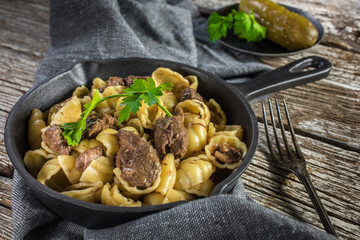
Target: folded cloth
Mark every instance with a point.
(172, 30)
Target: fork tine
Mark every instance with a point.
(271, 149)
(291, 154)
(297, 148)
(275, 132)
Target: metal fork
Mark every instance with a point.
(295, 162)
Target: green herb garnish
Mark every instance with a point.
(140, 90)
(244, 26)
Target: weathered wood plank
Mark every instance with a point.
(21, 29)
(6, 226)
(16, 77)
(5, 191)
(331, 176)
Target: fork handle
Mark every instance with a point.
(304, 177)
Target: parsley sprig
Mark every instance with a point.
(244, 26)
(141, 89)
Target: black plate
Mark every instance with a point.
(266, 47)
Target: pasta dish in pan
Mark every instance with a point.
(176, 149)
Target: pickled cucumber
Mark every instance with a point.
(286, 28)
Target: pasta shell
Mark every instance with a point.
(192, 172)
(108, 139)
(230, 140)
(135, 190)
(36, 123)
(100, 169)
(70, 112)
(89, 192)
(162, 75)
(112, 196)
(67, 163)
(52, 176)
(35, 159)
(168, 175)
(217, 115)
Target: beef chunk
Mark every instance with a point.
(115, 81)
(96, 122)
(130, 79)
(54, 139)
(137, 159)
(190, 93)
(171, 136)
(118, 81)
(226, 154)
(84, 160)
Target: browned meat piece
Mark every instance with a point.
(129, 79)
(226, 154)
(171, 136)
(115, 81)
(190, 93)
(54, 139)
(96, 122)
(137, 159)
(84, 160)
(118, 81)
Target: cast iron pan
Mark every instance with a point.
(233, 99)
(264, 47)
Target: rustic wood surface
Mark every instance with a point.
(325, 114)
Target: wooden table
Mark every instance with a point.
(325, 114)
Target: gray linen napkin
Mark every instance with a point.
(173, 30)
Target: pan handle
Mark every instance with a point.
(287, 76)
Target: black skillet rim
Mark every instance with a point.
(220, 188)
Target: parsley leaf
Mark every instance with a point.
(218, 25)
(244, 26)
(140, 90)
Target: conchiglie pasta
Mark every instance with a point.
(112, 196)
(162, 75)
(136, 123)
(153, 199)
(177, 195)
(203, 189)
(217, 115)
(148, 115)
(197, 133)
(36, 123)
(192, 172)
(70, 112)
(98, 83)
(226, 147)
(193, 80)
(35, 159)
(168, 175)
(67, 163)
(109, 105)
(170, 101)
(135, 190)
(89, 192)
(235, 130)
(108, 139)
(52, 176)
(100, 169)
(86, 144)
(193, 108)
(83, 94)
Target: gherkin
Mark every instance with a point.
(286, 28)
